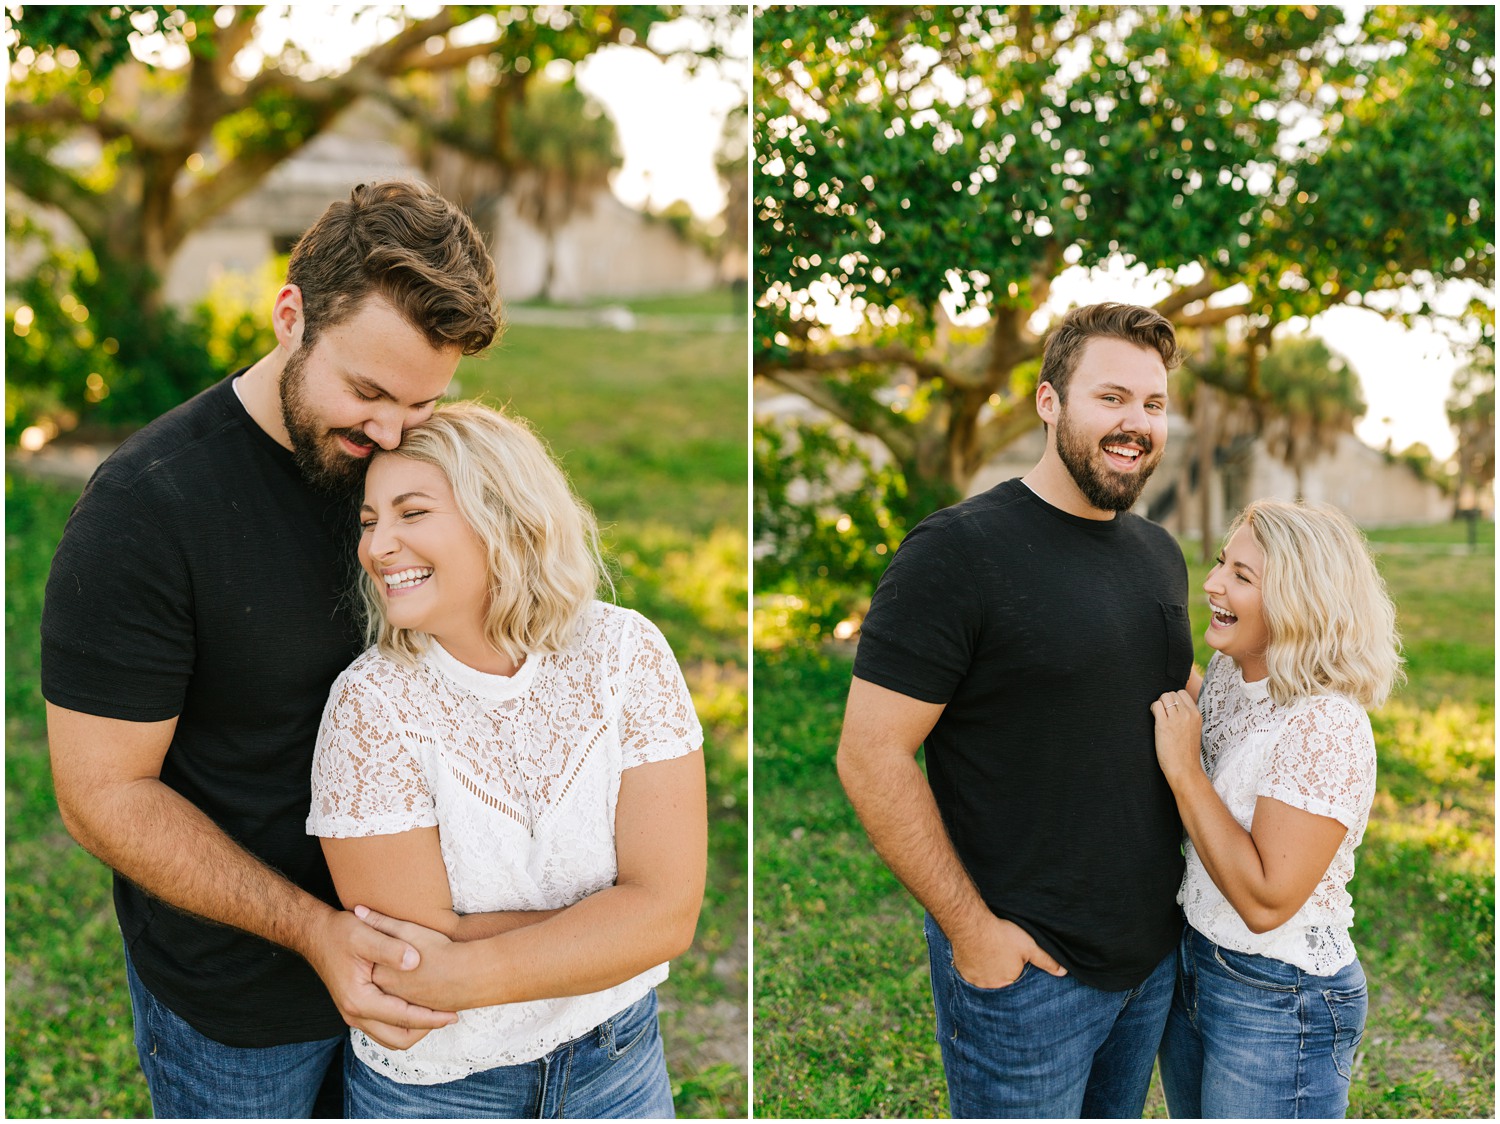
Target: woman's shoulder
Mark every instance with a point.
(374, 674)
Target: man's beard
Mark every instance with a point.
(1101, 485)
(316, 451)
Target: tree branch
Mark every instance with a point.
(43, 182)
(895, 354)
(886, 429)
(1176, 302)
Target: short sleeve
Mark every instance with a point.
(657, 720)
(1324, 761)
(117, 619)
(921, 632)
(366, 777)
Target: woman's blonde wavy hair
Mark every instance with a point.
(1330, 621)
(541, 540)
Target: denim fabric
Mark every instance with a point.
(1254, 1037)
(617, 1071)
(193, 1077)
(1045, 1047)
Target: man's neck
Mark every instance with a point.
(1054, 484)
(259, 389)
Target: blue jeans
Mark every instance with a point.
(1046, 1047)
(192, 1076)
(1254, 1037)
(616, 1071)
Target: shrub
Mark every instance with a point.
(825, 528)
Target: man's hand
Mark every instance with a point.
(433, 980)
(347, 955)
(996, 952)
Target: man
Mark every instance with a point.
(194, 620)
(1023, 634)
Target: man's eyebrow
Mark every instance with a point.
(1116, 388)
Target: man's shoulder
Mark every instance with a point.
(1152, 534)
(182, 443)
(981, 514)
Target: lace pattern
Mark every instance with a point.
(1318, 755)
(521, 775)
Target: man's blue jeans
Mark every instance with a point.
(1250, 1037)
(1046, 1047)
(616, 1071)
(194, 1077)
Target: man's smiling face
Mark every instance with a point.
(1112, 428)
(362, 383)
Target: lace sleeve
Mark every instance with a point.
(366, 777)
(658, 721)
(1324, 761)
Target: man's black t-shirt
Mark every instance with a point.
(201, 578)
(1047, 637)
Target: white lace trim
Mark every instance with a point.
(520, 774)
(1318, 755)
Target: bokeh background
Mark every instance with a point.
(161, 161)
(1308, 194)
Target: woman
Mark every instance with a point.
(1270, 1001)
(514, 765)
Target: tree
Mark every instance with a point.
(1471, 412)
(140, 124)
(1309, 397)
(1268, 163)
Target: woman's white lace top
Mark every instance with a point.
(520, 774)
(1317, 754)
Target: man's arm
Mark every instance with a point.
(883, 730)
(107, 776)
(648, 916)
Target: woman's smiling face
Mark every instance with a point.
(430, 567)
(1238, 625)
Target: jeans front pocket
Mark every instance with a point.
(1257, 971)
(624, 1031)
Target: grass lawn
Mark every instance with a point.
(843, 1014)
(652, 428)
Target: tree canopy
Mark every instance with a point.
(1269, 163)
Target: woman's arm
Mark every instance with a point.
(403, 875)
(1266, 873)
(648, 916)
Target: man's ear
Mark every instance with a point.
(286, 317)
(1048, 403)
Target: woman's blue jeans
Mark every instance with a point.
(1252, 1037)
(616, 1071)
(1046, 1047)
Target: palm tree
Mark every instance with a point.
(1308, 397)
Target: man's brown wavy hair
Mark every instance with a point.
(405, 242)
(1133, 323)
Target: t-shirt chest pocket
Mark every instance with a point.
(1179, 643)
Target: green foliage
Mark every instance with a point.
(825, 528)
(62, 370)
(1284, 159)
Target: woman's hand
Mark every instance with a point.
(437, 974)
(1179, 736)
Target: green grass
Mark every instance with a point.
(843, 1013)
(652, 428)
